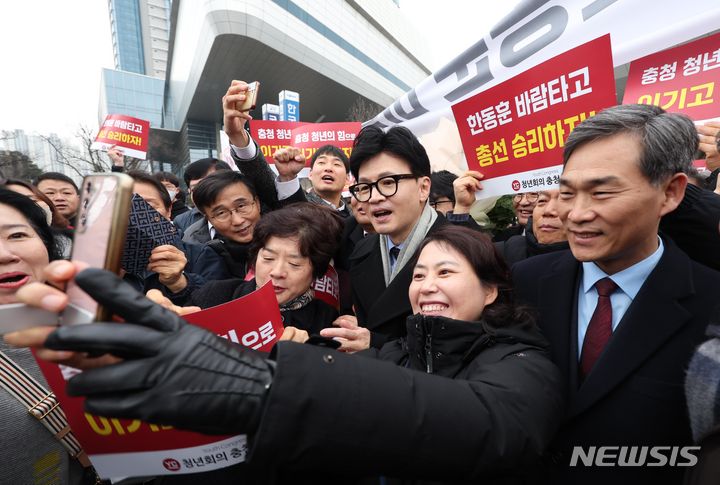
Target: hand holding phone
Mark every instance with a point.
(250, 97)
(234, 118)
(99, 238)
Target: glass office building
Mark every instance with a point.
(127, 35)
(132, 95)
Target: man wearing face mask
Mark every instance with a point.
(177, 196)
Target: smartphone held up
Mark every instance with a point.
(98, 241)
(251, 97)
(99, 238)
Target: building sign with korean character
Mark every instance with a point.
(684, 79)
(289, 102)
(271, 112)
(514, 132)
(124, 447)
(129, 134)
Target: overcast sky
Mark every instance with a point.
(53, 52)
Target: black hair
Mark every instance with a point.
(167, 177)
(200, 169)
(442, 185)
(398, 141)
(489, 266)
(59, 221)
(209, 188)
(146, 178)
(334, 151)
(35, 217)
(57, 176)
(318, 229)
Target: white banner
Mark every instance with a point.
(533, 33)
(196, 459)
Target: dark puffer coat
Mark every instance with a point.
(491, 408)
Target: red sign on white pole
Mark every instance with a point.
(684, 79)
(514, 132)
(125, 132)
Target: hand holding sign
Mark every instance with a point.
(233, 119)
(116, 156)
(130, 135)
(465, 188)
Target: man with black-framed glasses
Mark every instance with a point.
(393, 182)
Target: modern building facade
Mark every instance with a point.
(123, 92)
(331, 52)
(135, 87)
(140, 30)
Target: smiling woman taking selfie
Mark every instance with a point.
(464, 317)
(28, 451)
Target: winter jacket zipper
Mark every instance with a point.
(428, 346)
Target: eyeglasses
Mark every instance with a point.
(435, 203)
(224, 215)
(386, 186)
(531, 197)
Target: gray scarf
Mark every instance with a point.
(422, 226)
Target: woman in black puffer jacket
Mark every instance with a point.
(466, 327)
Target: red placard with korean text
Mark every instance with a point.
(514, 132)
(684, 79)
(123, 447)
(272, 135)
(127, 133)
(312, 136)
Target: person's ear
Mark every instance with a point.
(424, 187)
(673, 192)
(491, 294)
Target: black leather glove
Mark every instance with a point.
(174, 373)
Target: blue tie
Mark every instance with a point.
(394, 253)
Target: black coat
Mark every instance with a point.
(382, 309)
(361, 416)
(508, 232)
(634, 395)
(312, 318)
(523, 246)
(469, 351)
(693, 225)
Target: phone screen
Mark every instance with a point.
(91, 241)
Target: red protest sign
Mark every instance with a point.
(253, 320)
(514, 132)
(312, 136)
(127, 133)
(327, 287)
(123, 447)
(683, 79)
(272, 135)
